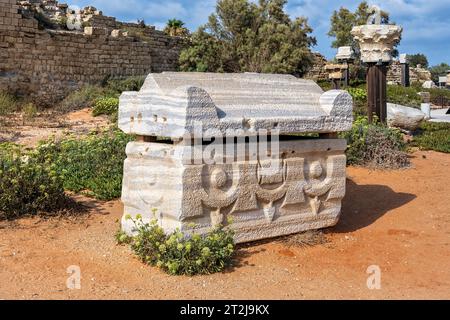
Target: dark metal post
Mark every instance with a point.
(405, 75)
(347, 76)
(335, 83)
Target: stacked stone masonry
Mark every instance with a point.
(418, 74)
(47, 64)
(318, 71)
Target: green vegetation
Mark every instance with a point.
(176, 28)
(418, 58)
(81, 98)
(92, 165)
(89, 95)
(29, 111)
(343, 21)
(433, 136)
(29, 183)
(8, 103)
(359, 96)
(177, 254)
(406, 96)
(106, 106)
(375, 145)
(439, 70)
(117, 86)
(243, 36)
(34, 181)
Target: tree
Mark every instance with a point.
(418, 58)
(439, 70)
(175, 28)
(141, 23)
(243, 36)
(343, 21)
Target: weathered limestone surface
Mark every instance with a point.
(345, 54)
(269, 189)
(404, 117)
(170, 104)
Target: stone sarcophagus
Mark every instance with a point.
(217, 146)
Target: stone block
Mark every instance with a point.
(232, 104)
(233, 154)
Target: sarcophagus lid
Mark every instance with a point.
(177, 105)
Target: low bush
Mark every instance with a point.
(29, 110)
(8, 103)
(359, 96)
(29, 184)
(406, 96)
(89, 95)
(92, 165)
(433, 136)
(178, 254)
(127, 84)
(325, 85)
(82, 98)
(105, 106)
(375, 145)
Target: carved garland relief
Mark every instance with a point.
(252, 185)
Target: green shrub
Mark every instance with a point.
(82, 98)
(178, 254)
(436, 94)
(325, 85)
(128, 84)
(433, 136)
(406, 96)
(359, 96)
(29, 184)
(107, 106)
(29, 110)
(8, 103)
(92, 165)
(375, 145)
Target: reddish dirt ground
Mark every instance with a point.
(398, 220)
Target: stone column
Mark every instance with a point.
(376, 42)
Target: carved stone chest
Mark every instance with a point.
(214, 146)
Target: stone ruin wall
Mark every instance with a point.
(394, 75)
(317, 71)
(418, 74)
(47, 64)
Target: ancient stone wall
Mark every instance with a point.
(317, 71)
(47, 64)
(418, 74)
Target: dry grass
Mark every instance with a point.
(309, 238)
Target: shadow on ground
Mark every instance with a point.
(365, 204)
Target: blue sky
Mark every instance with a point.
(426, 23)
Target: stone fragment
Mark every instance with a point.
(345, 54)
(404, 117)
(376, 41)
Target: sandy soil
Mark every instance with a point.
(47, 124)
(398, 220)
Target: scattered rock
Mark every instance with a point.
(404, 117)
